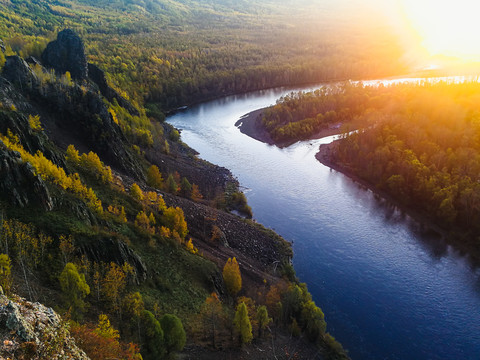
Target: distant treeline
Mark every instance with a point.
(172, 55)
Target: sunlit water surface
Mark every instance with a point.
(387, 290)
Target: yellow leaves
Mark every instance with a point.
(50, 172)
(5, 271)
(196, 194)
(113, 284)
(154, 177)
(144, 222)
(175, 221)
(232, 277)
(105, 329)
(119, 212)
(66, 79)
(190, 247)
(66, 247)
(114, 115)
(136, 192)
(72, 155)
(92, 163)
(34, 122)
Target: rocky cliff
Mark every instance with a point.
(35, 332)
(67, 53)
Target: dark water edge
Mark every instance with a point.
(389, 288)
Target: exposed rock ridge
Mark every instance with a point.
(98, 77)
(34, 331)
(67, 53)
(18, 183)
(76, 111)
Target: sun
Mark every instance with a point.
(449, 28)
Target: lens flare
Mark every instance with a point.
(449, 28)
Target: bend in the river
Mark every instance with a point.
(387, 290)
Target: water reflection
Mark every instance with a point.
(390, 288)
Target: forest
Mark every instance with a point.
(418, 142)
(171, 54)
(109, 218)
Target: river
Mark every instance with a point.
(388, 290)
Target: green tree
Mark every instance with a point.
(313, 321)
(133, 307)
(171, 185)
(185, 188)
(154, 177)
(74, 288)
(232, 277)
(5, 273)
(152, 347)
(242, 323)
(263, 319)
(174, 336)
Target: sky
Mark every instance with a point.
(450, 28)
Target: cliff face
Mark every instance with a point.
(33, 331)
(67, 53)
(70, 112)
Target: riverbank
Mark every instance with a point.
(427, 225)
(251, 125)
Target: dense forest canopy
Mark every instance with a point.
(176, 52)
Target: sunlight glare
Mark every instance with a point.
(449, 28)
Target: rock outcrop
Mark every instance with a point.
(17, 71)
(74, 110)
(33, 331)
(67, 53)
(18, 183)
(98, 77)
(112, 250)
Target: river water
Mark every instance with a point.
(388, 290)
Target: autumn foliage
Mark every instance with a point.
(50, 172)
(232, 277)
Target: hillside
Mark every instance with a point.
(109, 218)
(169, 54)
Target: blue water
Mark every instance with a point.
(387, 290)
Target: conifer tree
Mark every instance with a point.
(136, 192)
(263, 319)
(242, 324)
(185, 187)
(171, 185)
(154, 177)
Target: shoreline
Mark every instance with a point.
(250, 125)
(450, 237)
